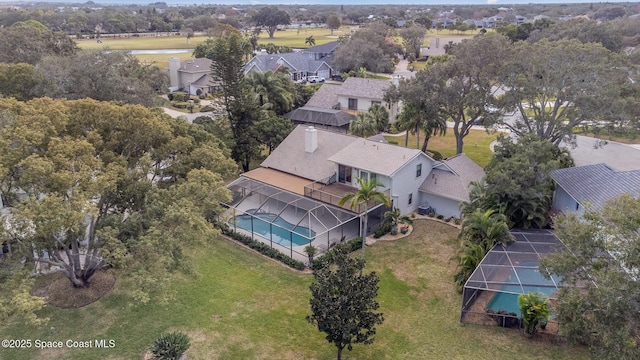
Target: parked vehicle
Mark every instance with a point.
(315, 79)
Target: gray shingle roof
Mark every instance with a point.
(452, 180)
(595, 184)
(290, 156)
(298, 61)
(314, 115)
(324, 48)
(195, 65)
(325, 97)
(364, 88)
(380, 158)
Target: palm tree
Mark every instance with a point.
(486, 228)
(380, 116)
(271, 91)
(367, 192)
(433, 126)
(394, 218)
(410, 120)
(363, 125)
(310, 40)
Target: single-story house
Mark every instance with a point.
(591, 186)
(313, 169)
(191, 75)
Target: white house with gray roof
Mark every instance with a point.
(191, 75)
(323, 165)
(359, 94)
(313, 61)
(591, 186)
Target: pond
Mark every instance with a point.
(160, 51)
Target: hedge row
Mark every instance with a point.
(261, 247)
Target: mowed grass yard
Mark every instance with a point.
(291, 38)
(243, 306)
(476, 144)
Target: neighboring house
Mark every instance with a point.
(191, 75)
(329, 119)
(314, 61)
(359, 94)
(591, 186)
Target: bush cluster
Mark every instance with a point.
(261, 247)
(170, 346)
(207, 108)
(180, 104)
(382, 230)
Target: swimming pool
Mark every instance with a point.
(507, 297)
(271, 226)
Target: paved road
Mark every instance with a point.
(589, 151)
(401, 70)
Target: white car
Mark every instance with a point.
(315, 79)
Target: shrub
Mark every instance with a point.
(382, 230)
(170, 346)
(207, 108)
(180, 104)
(199, 92)
(457, 221)
(392, 142)
(436, 155)
(179, 96)
(261, 247)
(448, 219)
(431, 214)
(170, 96)
(440, 217)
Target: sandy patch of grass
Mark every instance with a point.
(61, 294)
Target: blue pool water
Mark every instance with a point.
(508, 301)
(280, 232)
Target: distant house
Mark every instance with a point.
(591, 186)
(333, 107)
(191, 75)
(359, 94)
(314, 61)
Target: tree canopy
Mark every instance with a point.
(270, 17)
(343, 302)
(29, 41)
(555, 86)
(93, 184)
(599, 307)
(369, 48)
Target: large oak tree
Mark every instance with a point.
(93, 184)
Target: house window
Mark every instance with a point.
(410, 199)
(344, 174)
(365, 175)
(353, 104)
(418, 170)
(376, 103)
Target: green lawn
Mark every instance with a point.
(292, 38)
(243, 306)
(476, 144)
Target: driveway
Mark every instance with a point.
(619, 156)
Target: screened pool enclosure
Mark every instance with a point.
(490, 296)
(287, 221)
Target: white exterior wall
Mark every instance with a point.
(444, 206)
(405, 182)
(365, 104)
(562, 201)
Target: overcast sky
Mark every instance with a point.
(303, 2)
